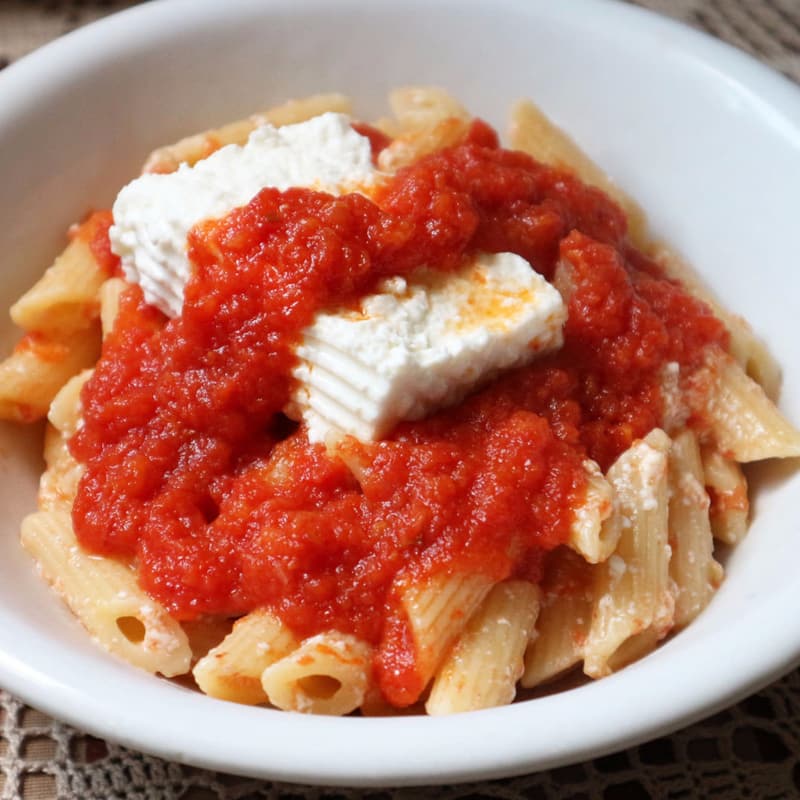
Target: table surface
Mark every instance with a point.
(752, 750)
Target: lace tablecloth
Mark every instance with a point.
(750, 751)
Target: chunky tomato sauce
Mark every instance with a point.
(192, 470)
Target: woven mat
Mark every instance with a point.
(750, 751)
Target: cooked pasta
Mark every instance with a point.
(484, 665)
(692, 566)
(105, 596)
(232, 670)
(327, 674)
(563, 622)
(632, 592)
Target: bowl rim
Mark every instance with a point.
(497, 745)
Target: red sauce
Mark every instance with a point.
(722, 502)
(43, 347)
(192, 470)
(94, 231)
(377, 138)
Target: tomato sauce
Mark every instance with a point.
(192, 470)
(94, 231)
(378, 140)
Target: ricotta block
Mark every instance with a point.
(154, 213)
(422, 344)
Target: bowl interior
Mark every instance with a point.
(704, 138)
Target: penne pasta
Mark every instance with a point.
(676, 411)
(106, 598)
(110, 293)
(198, 146)
(692, 566)
(327, 674)
(408, 147)
(634, 648)
(727, 487)
(592, 534)
(421, 107)
(745, 423)
(232, 670)
(59, 482)
(746, 348)
(632, 589)
(437, 611)
(534, 133)
(39, 366)
(483, 667)
(66, 298)
(64, 413)
(426, 119)
(564, 619)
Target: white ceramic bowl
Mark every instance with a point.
(706, 138)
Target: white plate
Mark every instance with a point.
(706, 138)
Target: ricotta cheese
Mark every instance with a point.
(422, 344)
(154, 213)
(411, 348)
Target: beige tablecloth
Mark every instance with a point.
(750, 751)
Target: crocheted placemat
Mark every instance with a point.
(751, 750)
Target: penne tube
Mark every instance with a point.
(727, 488)
(66, 298)
(39, 366)
(483, 667)
(201, 145)
(592, 533)
(420, 107)
(692, 566)
(638, 646)
(104, 595)
(59, 482)
(745, 423)
(754, 355)
(408, 147)
(534, 133)
(676, 410)
(437, 611)
(563, 622)
(232, 670)
(746, 348)
(327, 674)
(632, 589)
(65, 410)
(110, 293)
(538, 136)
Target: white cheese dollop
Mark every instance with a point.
(422, 344)
(154, 213)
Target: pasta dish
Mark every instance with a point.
(348, 417)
